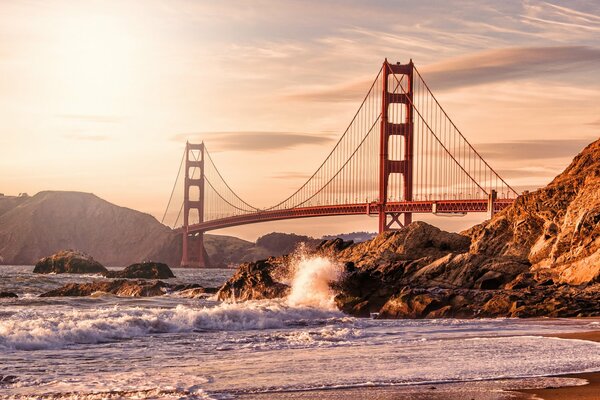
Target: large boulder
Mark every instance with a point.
(69, 262)
(253, 281)
(119, 287)
(144, 270)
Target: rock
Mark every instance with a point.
(119, 287)
(69, 262)
(8, 380)
(253, 281)
(555, 229)
(144, 270)
(8, 295)
(418, 240)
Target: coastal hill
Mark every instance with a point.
(50, 221)
(538, 257)
(32, 227)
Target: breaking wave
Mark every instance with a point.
(31, 330)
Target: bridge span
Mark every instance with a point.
(401, 154)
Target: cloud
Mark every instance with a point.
(102, 119)
(509, 64)
(256, 140)
(476, 69)
(343, 92)
(532, 149)
(291, 175)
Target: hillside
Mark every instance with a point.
(50, 221)
(37, 226)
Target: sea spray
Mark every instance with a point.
(311, 282)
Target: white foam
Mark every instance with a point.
(311, 284)
(32, 330)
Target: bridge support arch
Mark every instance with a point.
(404, 129)
(193, 253)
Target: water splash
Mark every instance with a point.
(312, 276)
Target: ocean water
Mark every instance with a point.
(172, 347)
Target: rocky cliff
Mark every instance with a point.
(556, 229)
(538, 257)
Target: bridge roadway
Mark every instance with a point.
(428, 207)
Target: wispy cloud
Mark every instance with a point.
(291, 175)
(507, 64)
(475, 69)
(256, 140)
(532, 149)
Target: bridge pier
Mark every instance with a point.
(404, 129)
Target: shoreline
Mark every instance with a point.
(590, 391)
(481, 390)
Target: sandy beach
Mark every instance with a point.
(591, 391)
(494, 390)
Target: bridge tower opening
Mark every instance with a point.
(392, 127)
(193, 252)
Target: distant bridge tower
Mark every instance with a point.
(193, 254)
(393, 128)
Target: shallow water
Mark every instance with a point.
(171, 347)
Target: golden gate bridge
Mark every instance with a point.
(400, 154)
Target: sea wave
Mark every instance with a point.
(35, 330)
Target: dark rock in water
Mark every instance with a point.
(253, 281)
(8, 295)
(69, 262)
(145, 270)
(8, 379)
(119, 287)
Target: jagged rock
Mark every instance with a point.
(556, 229)
(253, 281)
(144, 270)
(8, 379)
(192, 291)
(418, 240)
(119, 287)
(8, 295)
(69, 262)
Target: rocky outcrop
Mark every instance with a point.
(69, 262)
(130, 288)
(145, 270)
(543, 301)
(119, 287)
(556, 229)
(254, 281)
(8, 295)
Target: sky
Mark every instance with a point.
(101, 96)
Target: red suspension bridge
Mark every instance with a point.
(401, 154)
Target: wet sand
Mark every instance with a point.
(493, 390)
(591, 391)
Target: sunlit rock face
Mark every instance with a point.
(69, 262)
(556, 229)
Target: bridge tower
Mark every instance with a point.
(193, 254)
(404, 129)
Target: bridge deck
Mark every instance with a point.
(440, 206)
